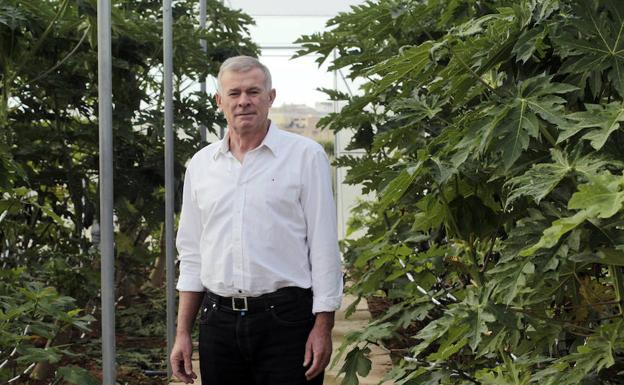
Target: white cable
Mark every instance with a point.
(28, 368)
(411, 278)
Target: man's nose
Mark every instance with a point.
(243, 100)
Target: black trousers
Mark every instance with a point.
(262, 347)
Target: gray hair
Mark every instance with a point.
(243, 64)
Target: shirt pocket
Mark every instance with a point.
(279, 195)
(272, 205)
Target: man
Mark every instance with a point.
(257, 236)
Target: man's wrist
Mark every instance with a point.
(325, 320)
(183, 333)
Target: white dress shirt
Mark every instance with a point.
(270, 222)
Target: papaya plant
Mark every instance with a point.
(492, 142)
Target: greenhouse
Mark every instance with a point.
(474, 156)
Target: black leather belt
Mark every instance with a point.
(260, 303)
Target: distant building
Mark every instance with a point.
(302, 120)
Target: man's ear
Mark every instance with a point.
(272, 95)
(218, 99)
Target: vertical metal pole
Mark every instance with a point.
(222, 128)
(105, 118)
(169, 192)
(338, 191)
(204, 47)
(337, 149)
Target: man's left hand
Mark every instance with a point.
(319, 346)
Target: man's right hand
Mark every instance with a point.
(181, 365)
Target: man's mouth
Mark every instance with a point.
(245, 114)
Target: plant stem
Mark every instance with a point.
(562, 323)
(60, 63)
(546, 134)
(618, 285)
(476, 75)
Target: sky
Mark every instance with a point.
(278, 24)
(290, 7)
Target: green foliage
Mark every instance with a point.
(76, 375)
(492, 140)
(32, 318)
(357, 363)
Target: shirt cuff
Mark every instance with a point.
(188, 282)
(326, 304)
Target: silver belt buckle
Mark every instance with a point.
(235, 307)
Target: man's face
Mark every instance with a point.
(244, 100)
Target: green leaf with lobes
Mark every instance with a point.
(356, 362)
(412, 60)
(398, 186)
(602, 197)
(601, 120)
(592, 41)
(511, 278)
(479, 315)
(32, 354)
(542, 178)
(596, 354)
(509, 127)
(602, 255)
(76, 375)
(529, 42)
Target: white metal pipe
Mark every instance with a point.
(105, 119)
(204, 47)
(222, 128)
(169, 159)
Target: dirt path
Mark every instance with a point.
(381, 361)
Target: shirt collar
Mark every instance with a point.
(270, 141)
(224, 147)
